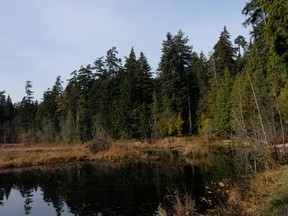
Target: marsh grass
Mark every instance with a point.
(24, 155)
(118, 151)
(181, 204)
(21, 155)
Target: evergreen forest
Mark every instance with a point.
(239, 90)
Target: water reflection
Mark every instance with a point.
(36, 205)
(93, 189)
(132, 188)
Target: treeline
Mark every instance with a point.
(240, 90)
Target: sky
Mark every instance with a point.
(43, 39)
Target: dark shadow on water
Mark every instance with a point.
(131, 188)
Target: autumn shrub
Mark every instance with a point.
(170, 124)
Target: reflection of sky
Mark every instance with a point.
(14, 205)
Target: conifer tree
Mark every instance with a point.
(222, 69)
(48, 107)
(145, 86)
(201, 85)
(174, 73)
(269, 55)
(222, 107)
(223, 57)
(128, 109)
(2, 115)
(106, 92)
(28, 109)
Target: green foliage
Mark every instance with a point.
(222, 69)
(283, 100)
(27, 109)
(177, 79)
(200, 87)
(7, 114)
(135, 98)
(276, 25)
(241, 42)
(222, 107)
(223, 56)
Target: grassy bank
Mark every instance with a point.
(268, 193)
(25, 155)
(264, 194)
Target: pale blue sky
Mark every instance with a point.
(41, 39)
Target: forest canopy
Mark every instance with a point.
(239, 90)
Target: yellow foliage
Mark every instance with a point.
(170, 125)
(205, 125)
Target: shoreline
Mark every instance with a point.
(26, 155)
(265, 192)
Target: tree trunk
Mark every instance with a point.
(258, 110)
(190, 115)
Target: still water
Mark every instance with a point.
(131, 188)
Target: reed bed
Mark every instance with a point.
(24, 155)
(21, 155)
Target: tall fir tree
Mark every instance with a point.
(223, 57)
(174, 74)
(222, 107)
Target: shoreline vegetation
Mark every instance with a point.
(27, 155)
(262, 193)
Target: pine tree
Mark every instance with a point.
(2, 116)
(28, 109)
(2, 106)
(9, 129)
(47, 118)
(255, 17)
(269, 61)
(105, 93)
(223, 57)
(201, 85)
(145, 86)
(128, 109)
(222, 107)
(174, 73)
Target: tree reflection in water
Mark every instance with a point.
(132, 188)
(91, 189)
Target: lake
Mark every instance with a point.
(127, 188)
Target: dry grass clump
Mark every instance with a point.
(176, 142)
(118, 151)
(235, 205)
(182, 204)
(169, 143)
